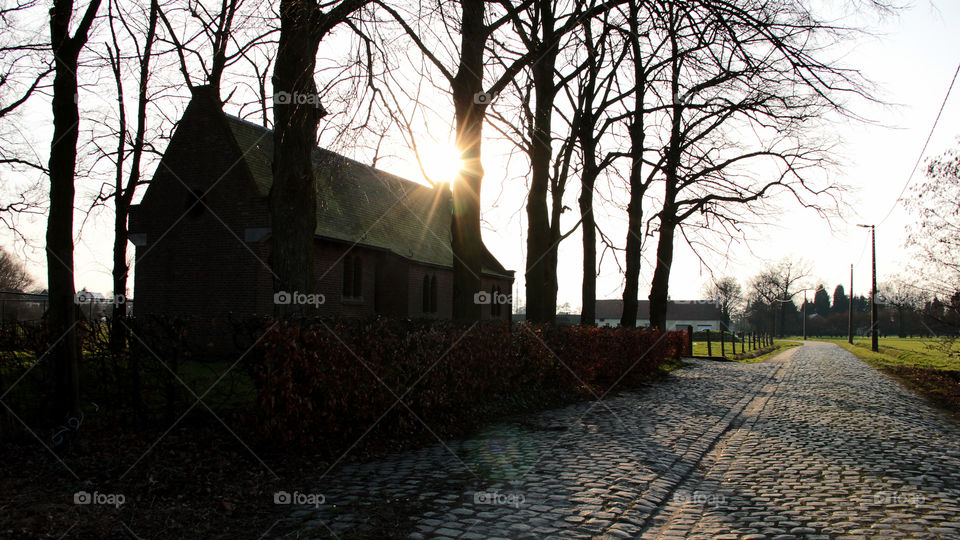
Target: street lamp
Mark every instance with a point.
(850, 311)
(874, 342)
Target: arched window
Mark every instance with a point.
(425, 295)
(352, 277)
(428, 295)
(347, 276)
(357, 277)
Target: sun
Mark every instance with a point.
(441, 162)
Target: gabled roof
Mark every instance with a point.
(677, 310)
(359, 204)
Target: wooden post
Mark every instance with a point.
(709, 345)
(723, 352)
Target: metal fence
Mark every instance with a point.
(18, 306)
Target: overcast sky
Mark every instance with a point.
(911, 59)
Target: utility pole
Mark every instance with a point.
(803, 311)
(874, 341)
(850, 311)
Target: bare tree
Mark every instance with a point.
(123, 191)
(24, 71)
(13, 273)
(62, 315)
(773, 290)
(293, 195)
(935, 203)
(901, 294)
(210, 39)
(727, 294)
(751, 65)
(547, 30)
(597, 96)
(645, 60)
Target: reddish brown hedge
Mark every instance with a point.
(327, 382)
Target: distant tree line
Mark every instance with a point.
(777, 301)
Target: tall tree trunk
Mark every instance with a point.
(588, 290)
(661, 276)
(293, 195)
(124, 195)
(62, 313)
(541, 278)
(470, 106)
(668, 215)
(638, 186)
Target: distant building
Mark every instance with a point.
(21, 306)
(202, 232)
(701, 314)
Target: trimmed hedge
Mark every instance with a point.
(328, 383)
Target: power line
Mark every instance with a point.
(924, 151)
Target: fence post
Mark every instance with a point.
(723, 352)
(709, 345)
(689, 344)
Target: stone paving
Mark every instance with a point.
(815, 444)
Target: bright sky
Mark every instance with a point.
(911, 59)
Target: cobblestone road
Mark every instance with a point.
(815, 444)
